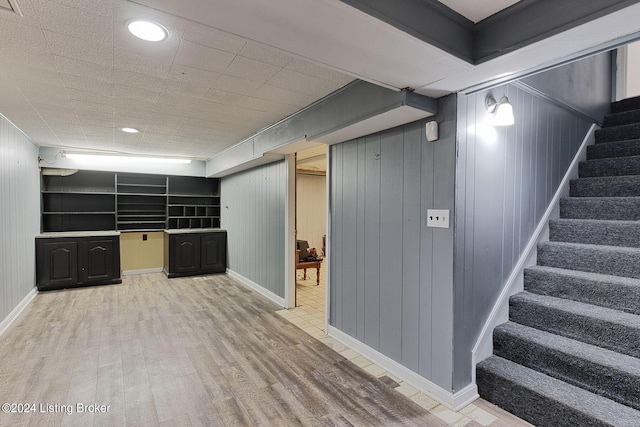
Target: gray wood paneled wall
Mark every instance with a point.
(253, 213)
(19, 214)
(506, 178)
(391, 276)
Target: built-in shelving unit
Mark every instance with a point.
(141, 202)
(84, 201)
(91, 201)
(193, 203)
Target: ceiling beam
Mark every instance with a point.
(427, 20)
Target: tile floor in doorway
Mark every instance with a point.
(309, 315)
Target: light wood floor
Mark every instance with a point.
(194, 351)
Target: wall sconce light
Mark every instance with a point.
(502, 111)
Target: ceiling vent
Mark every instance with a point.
(10, 5)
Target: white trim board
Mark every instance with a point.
(142, 271)
(454, 401)
(515, 283)
(256, 287)
(15, 313)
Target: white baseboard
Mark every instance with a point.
(454, 401)
(256, 287)
(142, 271)
(515, 283)
(6, 323)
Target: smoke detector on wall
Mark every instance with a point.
(10, 6)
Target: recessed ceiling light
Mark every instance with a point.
(146, 30)
(130, 130)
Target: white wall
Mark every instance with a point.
(19, 216)
(311, 205)
(633, 70)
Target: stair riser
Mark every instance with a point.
(613, 149)
(623, 166)
(595, 233)
(605, 187)
(623, 263)
(623, 118)
(622, 209)
(527, 404)
(606, 381)
(621, 338)
(618, 133)
(625, 298)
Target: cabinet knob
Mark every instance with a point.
(82, 268)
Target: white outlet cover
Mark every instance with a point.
(438, 218)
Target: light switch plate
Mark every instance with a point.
(438, 218)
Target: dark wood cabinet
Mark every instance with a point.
(195, 252)
(66, 260)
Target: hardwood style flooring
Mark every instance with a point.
(193, 351)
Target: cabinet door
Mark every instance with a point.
(214, 253)
(97, 260)
(186, 250)
(57, 264)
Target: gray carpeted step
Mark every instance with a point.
(619, 293)
(601, 326)
(626, 105)
(618, 166)
(607, 373)
(546, 401)
(618, 133)
(622, 118)
(614, 149)
(614, 260)
(607, 208)
(595, 232)
(608, 186)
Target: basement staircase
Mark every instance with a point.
(570, 353)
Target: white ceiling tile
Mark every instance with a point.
(203, 57)
(234, 84)
(75, 22)
(82, 95)
(266, 54)
(79, 48)
(311, 69)
(278, 94)
(23, 37)
(80, 105)
(192, 75)
(214, 38)
(153, 67)
(303, 83)
(138, 80)
(250, 69)
(185, 90)
(98, 7)
(221, 96)
(79, 68)
(86, 84)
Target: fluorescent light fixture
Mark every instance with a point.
(105, 158)
(129, 130)
(502, 111)
(147, 30)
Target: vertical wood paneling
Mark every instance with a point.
(253, 214)
(391, 276)
(20, 214)
(505, 184)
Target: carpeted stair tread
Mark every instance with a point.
(546, 401)
(610, 186)
(614, 260)
(606, 208)
(619, 293)
(607, 150)
(617, 133)
(620, 166)
(627, 104)
(607, 373)
(622, 118)
(595, 232)
(601, 326)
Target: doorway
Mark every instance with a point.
(311, 232)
